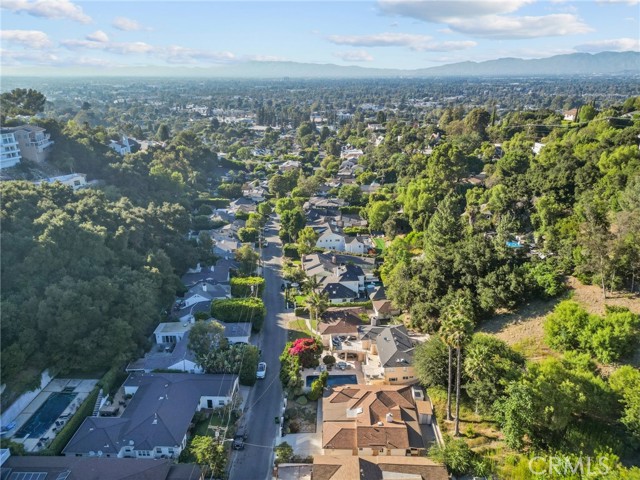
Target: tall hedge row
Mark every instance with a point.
(241, 286)
(235, 310)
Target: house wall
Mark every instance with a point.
(355, 247)
(331, 241)
(197, 298)
(244, 339)
(187, 366)
(399, 375)
(169, 337)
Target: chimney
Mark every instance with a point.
(204, 286)
(334, 260)
(389, 417)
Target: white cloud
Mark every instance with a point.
(440, 10)
(628, 2)
(611, 45)
(27, 38)
(13, 57)
(265, 58)
(420, 43)
(127, 25)
(182, 55)
(487, 18)
(122, 48)
(496, 26)
(48, 9)
(379, 40)
(354, 56)
(98, 36)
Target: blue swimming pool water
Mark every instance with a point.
(48, 413)
(335, 380)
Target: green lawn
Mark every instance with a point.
(379, 243)
(298, 329)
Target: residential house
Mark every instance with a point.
(389, 354)
(289, 165)
(322, 265)
(171, 332)
(226, 249)
(365, 420)
(243, 205)
(336, 322)
(125, 145)
(156, 421)
(176, 357)
(220, 273)
(330, 237)
(350, 153)
(338, 467)
(198, 299)
(9, 149)
(345, 284)
(236, 332)
(372, 188)
(96, 468)
(570, 115)
(358, 244)
(537, 147)
(73, 180)
(382, 307)
(33, 142)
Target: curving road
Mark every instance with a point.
(264, 403)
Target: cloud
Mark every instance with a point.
(627, 2)
(13, 57)
(127, 25)
(122, 48)
(98, 36)
(496, 26)
(440, 10)
(419, 43)
(487, 18)
(57, 9)
(614, 45)
(354, 56)
(182, 55)
(265, 58)
(27, 38)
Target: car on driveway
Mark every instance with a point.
(262, 370)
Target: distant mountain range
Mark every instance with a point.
(604, 63)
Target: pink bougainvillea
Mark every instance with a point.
(308, 350)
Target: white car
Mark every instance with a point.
(262, 370)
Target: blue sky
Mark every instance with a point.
(384, 34)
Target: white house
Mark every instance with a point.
(73, 180)
(357, 244)
(171, 332)
(9, 150)
(331, 238)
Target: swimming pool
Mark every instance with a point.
(335, 380)
(48, 413)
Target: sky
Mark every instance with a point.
(402, 34)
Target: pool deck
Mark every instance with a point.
(82, 389)
(354, 368)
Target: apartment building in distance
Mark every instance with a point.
(9, 150)
(33, 141)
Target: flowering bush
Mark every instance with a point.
(308, 350)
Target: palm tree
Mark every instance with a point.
(317, 303)
(445, 334)
(456, 327)
(312, 283)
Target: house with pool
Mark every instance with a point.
(157, 419)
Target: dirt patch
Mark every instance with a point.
(523, 329)
(301, 418)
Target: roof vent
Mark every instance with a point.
(380, 424)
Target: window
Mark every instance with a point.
(405, 378)
(221, 403)
(158, 450)
(393, 379)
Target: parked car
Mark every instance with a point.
(342, 365)
(239, 438)
(262, 370)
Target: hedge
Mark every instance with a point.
(355, 230)
(235, 310)
(217, 202)
(350, 209)
(290, 250)
(241, 286)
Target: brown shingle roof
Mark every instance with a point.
(338, 321)
(335, 467)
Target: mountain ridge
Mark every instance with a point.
(603, 63)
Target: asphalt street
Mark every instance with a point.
(265, 400)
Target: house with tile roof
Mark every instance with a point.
(155, 422)
(337, 467)
(363, 420)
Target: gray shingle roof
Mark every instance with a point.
(158, 414)
(395, 347)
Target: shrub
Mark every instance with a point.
(237, 310)
(284, 453)
(241, 286)
(290, 250)
(350, 209)
(216, 202)
(308, 350)
(353, 231)
(316, 390)
(302, 400)
(249, 366)
(563, 327)
(329, 360)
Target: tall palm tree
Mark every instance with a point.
(312, 283)
(317, 303)
(455, 330)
